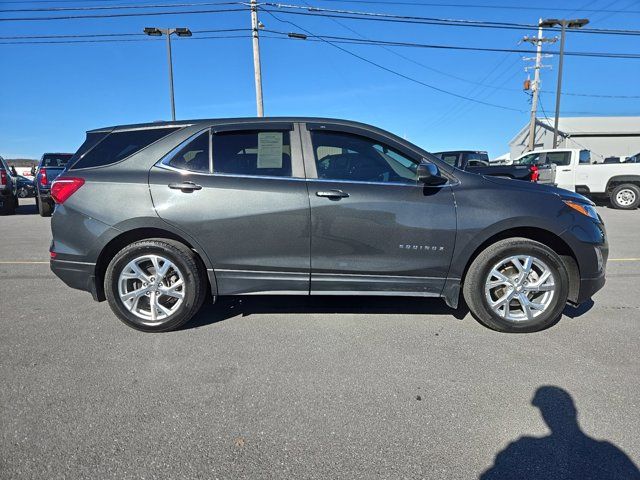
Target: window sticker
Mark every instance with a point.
(270, 150)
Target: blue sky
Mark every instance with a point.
(50, 94)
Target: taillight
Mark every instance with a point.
(43, 177)
(535, 173)
(3, 177)
(63, 187)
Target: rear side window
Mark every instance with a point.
(120, 145)
(194, 156)
(559, 158)
(55, 159)
(451, 159)
(252, 153)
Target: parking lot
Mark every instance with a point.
(323, 387)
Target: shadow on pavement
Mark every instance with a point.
(575, 312)
(227, 307)
(566, 454)
(25, 208)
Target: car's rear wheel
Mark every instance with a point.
(155, 285)
(517, 285)
(625, 196)
(45, 208)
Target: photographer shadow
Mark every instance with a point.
(566, 454)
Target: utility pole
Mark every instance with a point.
(564, 24)
(158, 32)
(535, 87)
(257, 71)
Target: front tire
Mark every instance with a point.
(155, 285)
(625, 196)
(517, 285)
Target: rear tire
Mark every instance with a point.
(520, 302)
(625, 196)
(175, 295)
(45, 208)
(10, 205)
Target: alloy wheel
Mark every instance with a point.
(151, 287)
(520, 288)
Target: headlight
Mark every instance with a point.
(583, 208)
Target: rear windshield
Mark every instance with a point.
(55, 159)
(120, 145)
(478, 156)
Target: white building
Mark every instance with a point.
(604, 136)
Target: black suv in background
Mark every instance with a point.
(51, 165)
(8, 190)
(155, 217)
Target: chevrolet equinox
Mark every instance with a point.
(154, 217)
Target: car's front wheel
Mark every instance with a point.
(155, 285)
(517, 285)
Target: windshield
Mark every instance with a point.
(55, 159)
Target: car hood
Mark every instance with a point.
(539, 188)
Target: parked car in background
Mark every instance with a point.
(633, 158)
(155, 217)
(8, 190)
(478, 162)
(51, 165)
(617, 182)
(26, 187)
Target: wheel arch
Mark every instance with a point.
(620, 179)
(546, 237)
(145, 233)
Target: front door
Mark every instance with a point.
(374, 228)
(240, 192)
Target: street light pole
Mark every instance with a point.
(170, 60)
(564, 24)
(559, 85)
(157, 32)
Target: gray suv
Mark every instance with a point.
(155, 218)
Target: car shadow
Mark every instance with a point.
(575, 312)
(26, 209)
(231, 306)
(567, 453)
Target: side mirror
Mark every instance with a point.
(429, 174)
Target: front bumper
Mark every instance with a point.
(78, 275)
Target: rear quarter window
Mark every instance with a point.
(117, 146)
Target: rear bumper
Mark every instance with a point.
(78, 275)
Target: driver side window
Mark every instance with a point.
(344, 156)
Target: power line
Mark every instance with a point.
(119, 15)
(117, 7)
(125, 34)
(473, 5)
(393, 72)
(386, 17)
(392, 43)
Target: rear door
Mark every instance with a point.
(240, 192)
(565, 173)
(374, 229)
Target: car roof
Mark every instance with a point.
(220, 121)
(461, 151)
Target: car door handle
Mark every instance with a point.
(185, 186)
(565, 170)
(332, 194)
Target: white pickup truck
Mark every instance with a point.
(574, 171)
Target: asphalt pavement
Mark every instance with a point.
(323, 387)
